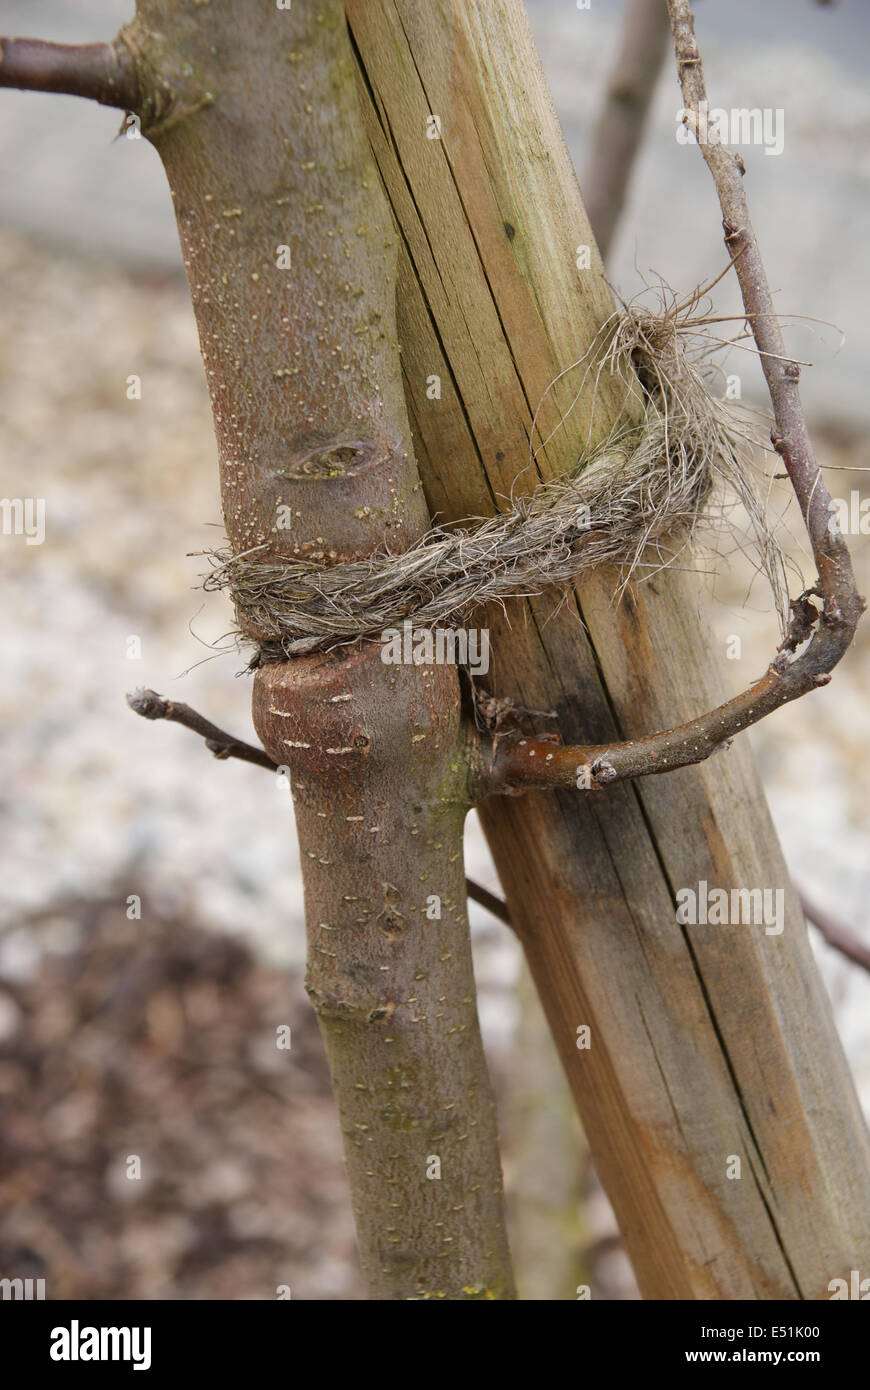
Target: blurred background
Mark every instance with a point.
(154, 1035)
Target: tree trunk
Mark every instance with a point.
(290, 255)
(707, 1043)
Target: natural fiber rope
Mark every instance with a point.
(644, 484)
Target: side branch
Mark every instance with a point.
(104, 72)
(150, 705)
(153, 706)
(790, 437)
(511, 763)
(836, 935)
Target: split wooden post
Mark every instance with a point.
(708, 1043)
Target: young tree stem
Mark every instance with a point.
(291, 255)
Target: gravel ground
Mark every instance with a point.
(157, 1144)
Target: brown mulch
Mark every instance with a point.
(157, 1039)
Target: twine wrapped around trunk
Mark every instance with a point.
(644, 485)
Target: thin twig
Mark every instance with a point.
(103, 72)
(153, 706)
(516, 764)
(493, 904)
(616, 141)
(836, 934)
(791, 437)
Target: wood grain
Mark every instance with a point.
(707, 1042)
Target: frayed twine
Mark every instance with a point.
(645, 485)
